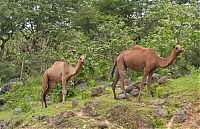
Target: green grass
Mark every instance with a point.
(183, 89)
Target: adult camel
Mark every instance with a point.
(142, 59)
(59, 71)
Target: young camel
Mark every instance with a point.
(59, 71)
(141, 59)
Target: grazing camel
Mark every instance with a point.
(59, 71)
(141, 59)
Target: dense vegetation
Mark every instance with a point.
(34, 34)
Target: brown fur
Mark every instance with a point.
(141, 59)
(60, 71)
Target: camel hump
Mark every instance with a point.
(137, 47)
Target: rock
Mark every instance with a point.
(17, 111)
(155, 77)
(157, 101)
(164, 79)
(74, 103)
(56, 120)
(68, 114)
(159, 112)
(129, 88)
(122, 96)
(97, 91)
(134, 92)
(42, 116)
(103, 125)
(88, 109)
(39, 117)
(181, 115)
(186, 105)
(2, 101)
(81, 86)
(8, 85)
(34, 118)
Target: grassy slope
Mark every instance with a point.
(182, 89)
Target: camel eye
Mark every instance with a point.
(176, 48)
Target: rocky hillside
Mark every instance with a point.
(176, 104)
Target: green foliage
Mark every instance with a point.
(38, 33)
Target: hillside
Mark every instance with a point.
(176, 105)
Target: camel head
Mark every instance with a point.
(82, 59)
(178, 49)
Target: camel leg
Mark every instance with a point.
(44, 93)
(114, 84)
(52, 86)
(149, 83)
(142, 84)
(122, 76)
(64, 89)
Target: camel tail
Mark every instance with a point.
(113, 70)
(45, 87)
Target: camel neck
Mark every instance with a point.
(167, 61)
(77, 67)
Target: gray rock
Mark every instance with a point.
(8, 85)
(67, 114)
(186, 105)
(81, 86)
(42, 116)
(88, 109)
(157, 101)
(181, 115)
(17, 111)
(98, 90)
(129, 88)
(134, 92)
(159, 112)
(2, 101)
(122, 96)
(164, 79)
(155, 77)
(103, 125)
(39, 117)
(56, 120)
